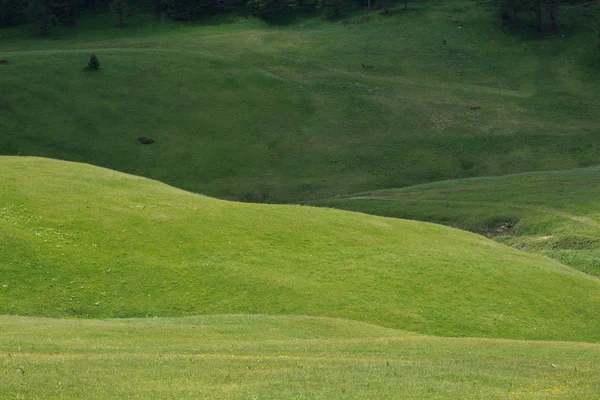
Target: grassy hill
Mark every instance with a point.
(83, 241)
(117, 286)
(265, 357)
(554, 213)
(241, 109)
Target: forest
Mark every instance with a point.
(543, 16)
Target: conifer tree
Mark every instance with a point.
(93, 64)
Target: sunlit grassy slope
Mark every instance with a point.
(265, 357)
(554, 213)
(245, 110)
(83, 241)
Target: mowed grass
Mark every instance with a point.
(555, 213)
(88, 242)
(240, 109)
(267, 357)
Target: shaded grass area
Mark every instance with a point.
(279, 357)
(83, 241)
(244, 110)
(554, 213)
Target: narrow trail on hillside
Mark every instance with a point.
(234, 59)
(412, 197)
(457, 189)
(382, 80)
(115, 49)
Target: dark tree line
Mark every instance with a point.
(48, 13)
(45, 12)
(595, 22)
(545, 13)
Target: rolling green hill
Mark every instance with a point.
(241, 109)
(117, 286)
(554, 213)
(83, 241)
(267, 357)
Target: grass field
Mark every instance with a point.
(240, 109)
(117, 286)
(87, 242)
(265, 357)
(554, 213)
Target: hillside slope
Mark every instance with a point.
(556, 213)
(79, 240)
(241, 109)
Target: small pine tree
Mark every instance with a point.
(93, 64)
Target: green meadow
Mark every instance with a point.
(123, 246)
(433, 229)
(553, 213)
(246, 110)
(274, 357)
